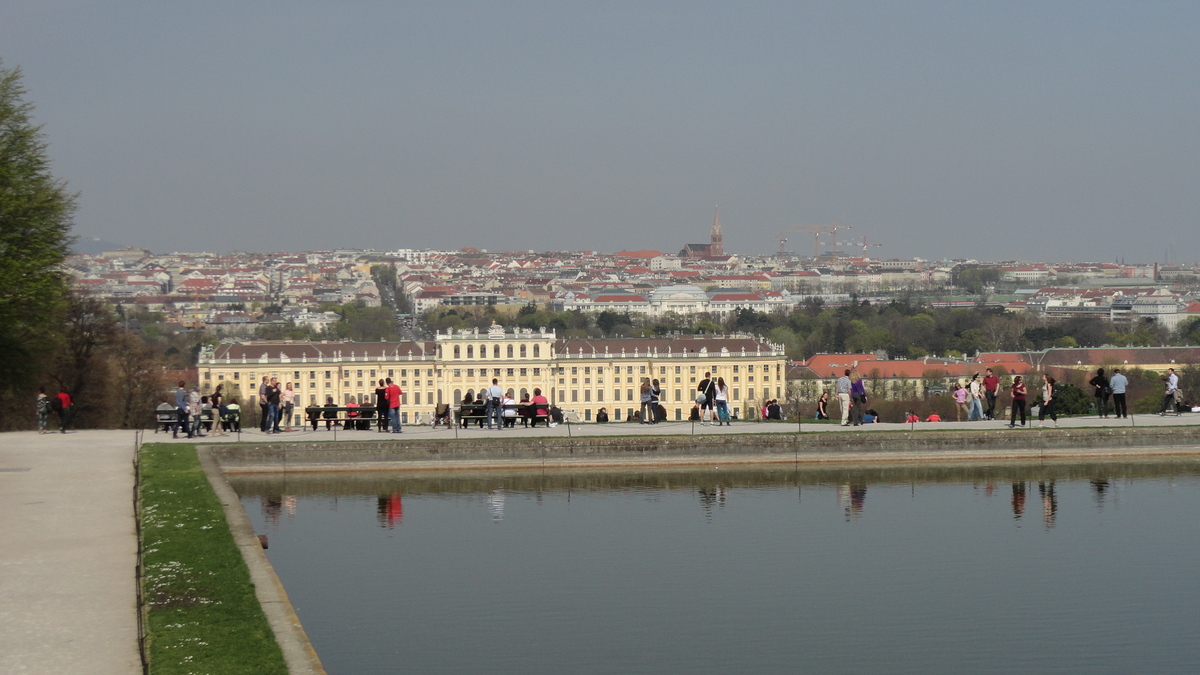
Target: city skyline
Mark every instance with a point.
(999, 132)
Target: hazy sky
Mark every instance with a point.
(1046, 130)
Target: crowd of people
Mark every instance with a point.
(976, 400)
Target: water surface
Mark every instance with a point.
(1050, 568)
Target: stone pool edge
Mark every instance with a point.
(298, 651)
(649, 451)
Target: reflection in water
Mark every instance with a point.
(389, 510)
(711, 488)
(710, 497)
(1049, 502)
(496, 505)
(1018, 499)
(852, 498)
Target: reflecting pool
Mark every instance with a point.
(951, 569)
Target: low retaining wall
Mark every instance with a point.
(495, 452)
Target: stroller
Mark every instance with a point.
(441, 415)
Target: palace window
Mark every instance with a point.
(510, 351)
(457, 352)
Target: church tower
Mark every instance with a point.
(715, 248)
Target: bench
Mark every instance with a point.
(165, 419)
(362, 417)
(476, 412)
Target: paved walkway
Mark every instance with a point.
(68, 554)
(67, 563)
(669, 428)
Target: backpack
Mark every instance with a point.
(55, 403)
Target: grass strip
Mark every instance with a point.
(200, 611)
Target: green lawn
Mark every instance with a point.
(200, 612)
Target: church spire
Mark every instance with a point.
(715, 248)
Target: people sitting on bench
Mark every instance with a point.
(231, 417)
(330, 415)
(541, 407)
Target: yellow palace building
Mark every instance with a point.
(580, 375)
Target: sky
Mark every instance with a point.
(989, 130)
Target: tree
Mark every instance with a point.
(35, 221)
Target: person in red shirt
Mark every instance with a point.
(64, 409)
(991, 385)
(540, 407)
(393, 399)
(911, 417)
(934, 417)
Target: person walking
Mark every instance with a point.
(492, 406)
(842, 388)
(1172, 382)
(858, 394)
(722, 401)
(1018, 402)
(975, 399)
(1118, 383)
(63, 407)
(43, 409)
(707, 389)
(1102, 390)
(1047, 407)
(393, 396)
(991, 386)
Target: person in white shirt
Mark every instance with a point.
(508, 410)
(1172, 381)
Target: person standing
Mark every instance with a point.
(991, 386)
(217, 399)
(1018, 402)
(263, 406)
(393, 397)
(647, 411)
(858, 394)
(43, 409)
(1172, 381)
(975, 399)
(196, 410)
(1102, 390)
(842, 388)
(492, 405)
(273, 399)
(181, 411)
(707, 389)
(960, 403)
(655, 394)
(381, 407)
(1047, 407)
(722, 402)
(1118, 383)
(287, 401)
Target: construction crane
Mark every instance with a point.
(815, 230)
(865, 245)
(833, 251)
(782, 242)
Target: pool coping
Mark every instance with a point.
(298, 652)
